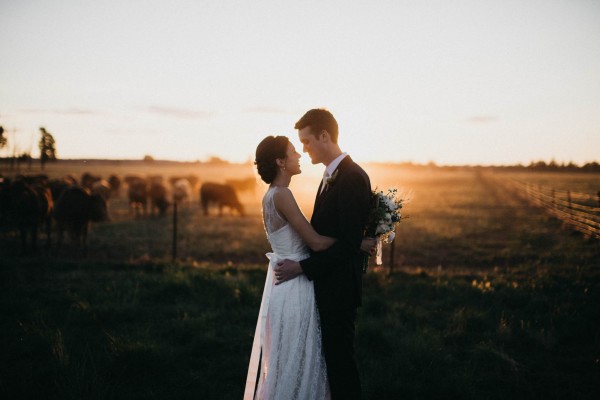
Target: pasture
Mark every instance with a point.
(489, 297)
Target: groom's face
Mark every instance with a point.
(312, 145)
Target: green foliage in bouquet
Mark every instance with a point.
(384, 214)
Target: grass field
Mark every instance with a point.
(489, 298)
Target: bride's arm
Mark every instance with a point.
(286, 206)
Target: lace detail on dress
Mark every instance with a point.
(271, 218)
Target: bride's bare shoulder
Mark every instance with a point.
(283, 195)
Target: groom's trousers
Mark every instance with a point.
(337, 332)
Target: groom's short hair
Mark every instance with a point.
(319, 119)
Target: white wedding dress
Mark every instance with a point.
(288, 330)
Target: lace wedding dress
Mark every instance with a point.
(288, 330)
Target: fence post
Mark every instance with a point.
(598, 198)
(174, 251)
(569, 198)
(553, 201)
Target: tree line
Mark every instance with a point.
(46, 144)
(553, 166)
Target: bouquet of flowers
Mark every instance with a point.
(383, 217)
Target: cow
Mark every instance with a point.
(138, 195)
(192, 179)
(154, 179)
(4, 200)
(74, 211)
(182, 190)
(88, 180)
(102, 187)
(57, 186)
(221, 195)
(27, 207)
(132, 178)
(115, 185)
(158, 198)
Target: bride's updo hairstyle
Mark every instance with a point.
(267, 152)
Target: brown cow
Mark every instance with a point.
(158, 198)
(138, 195)
(74, 211)
(115, 185)
(88, 180)
(221, 195)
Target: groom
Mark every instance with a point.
(340, 211)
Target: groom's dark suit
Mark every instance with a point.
(341, 212)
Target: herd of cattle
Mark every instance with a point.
(29, 204)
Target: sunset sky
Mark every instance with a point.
(455, 82)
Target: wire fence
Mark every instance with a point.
(580, 211)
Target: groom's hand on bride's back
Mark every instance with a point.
(286, 270)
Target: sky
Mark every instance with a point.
(453, 82)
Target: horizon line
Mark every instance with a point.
(219, 160)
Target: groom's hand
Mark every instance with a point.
(369, 246)
(286, 270)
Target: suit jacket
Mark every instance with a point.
(341, 211)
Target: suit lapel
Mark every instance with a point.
(322, 196)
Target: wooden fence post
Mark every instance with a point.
(569, 198)
(174, 250)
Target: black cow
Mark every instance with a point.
(57, 186)
(221, 195)
(26, 207)
(74, 211)
(4, 200)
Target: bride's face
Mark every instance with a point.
(292, 160)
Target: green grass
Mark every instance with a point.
(121, 331)
(125, 332)
(518, 333)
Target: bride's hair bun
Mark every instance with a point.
(267, 152)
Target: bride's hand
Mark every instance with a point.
(369, 246)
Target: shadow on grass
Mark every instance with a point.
(122, 331)
(125, 332)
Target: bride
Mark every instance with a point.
(287, 340)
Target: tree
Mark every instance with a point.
(47, 147)
(3, 140)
